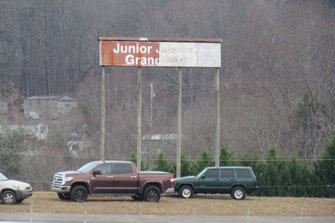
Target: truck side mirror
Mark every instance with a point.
(203, 176)
(97, 172)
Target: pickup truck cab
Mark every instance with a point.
(13, 191)
(111, 177)
(234, 180)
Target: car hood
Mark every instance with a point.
(14, 183)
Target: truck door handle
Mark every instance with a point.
(133, 177)
(110, 177)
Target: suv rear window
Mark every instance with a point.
(243, 173)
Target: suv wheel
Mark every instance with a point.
(8, 197)
(152, 194)
(238, 193)
(79, 194)
(185, 192)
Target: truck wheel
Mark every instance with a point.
(79, 194)
(152, 194)
(137, 197)
(185, 192)
(238, 193)
(64, 197)
(8, 197)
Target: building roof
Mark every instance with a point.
(58, 98)
(66, 98)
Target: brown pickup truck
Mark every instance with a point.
(111, 177)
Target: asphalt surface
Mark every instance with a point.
(14, 217)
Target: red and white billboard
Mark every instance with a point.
(149, 53)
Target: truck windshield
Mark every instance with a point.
(2, 177)
(87, 167)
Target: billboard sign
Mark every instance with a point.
(155, 53)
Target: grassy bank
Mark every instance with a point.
(172, 205)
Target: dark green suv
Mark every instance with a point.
(234, 180)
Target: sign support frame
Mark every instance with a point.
(139, 118)
(179, 120)
(103, 115)
(218, 118)
(216, 65)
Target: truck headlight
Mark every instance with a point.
(68, 179)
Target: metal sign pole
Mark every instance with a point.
(217, 131)
(103, 116)
(179, 121)
(139, 117)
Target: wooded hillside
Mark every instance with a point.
(277, 75)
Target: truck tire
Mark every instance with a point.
(238, 193)
(64, 197)
(152, 194)
(137, 197)
(8, 197)
(185, 192)
(78, 193)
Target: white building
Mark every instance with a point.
(48, 105)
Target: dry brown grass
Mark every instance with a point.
(172, 205)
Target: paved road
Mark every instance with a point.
(117, 218)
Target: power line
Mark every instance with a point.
(88, 154)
